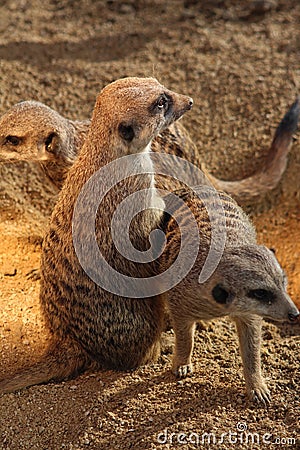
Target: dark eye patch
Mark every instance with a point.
(12, 140)
(126, 132)
(262, 295)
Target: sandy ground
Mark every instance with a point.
(241, 66)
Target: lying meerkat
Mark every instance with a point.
(247, 284)
(31, 131)
(87, 323)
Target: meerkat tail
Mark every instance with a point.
(251, 188)
(61, 361)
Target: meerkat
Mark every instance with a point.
(247, 285)
(31, 131)
(87, 323)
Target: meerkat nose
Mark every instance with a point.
(191, 102)
(293, 317)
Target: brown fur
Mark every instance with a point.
(86, 322)
(34, 123)
(46, 137)
(244, 269)
(41, 134)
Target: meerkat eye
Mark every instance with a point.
(163, 102)
(12, 140)
(51, 142)
(261, 294)
(126, 132)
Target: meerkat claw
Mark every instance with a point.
(183, 371)
(261, 395)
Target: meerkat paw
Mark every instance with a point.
(260, 394)
(183, 371)
(166, 344)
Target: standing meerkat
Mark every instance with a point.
(247, 285)
(87, 323)
(31, 131)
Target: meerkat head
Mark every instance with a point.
(31, 131)
(135, 110)
(249, 280)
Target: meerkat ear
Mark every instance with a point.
(126, 132)
(52, 143)
(221, 295)
(273, 250)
